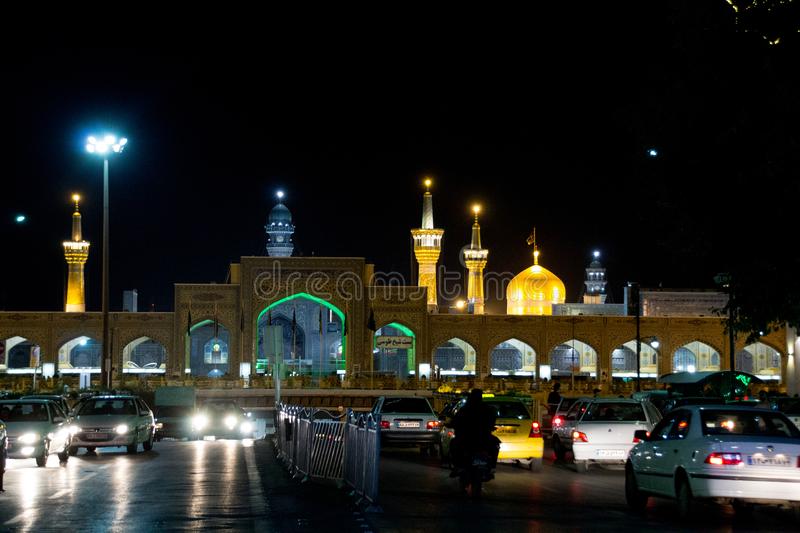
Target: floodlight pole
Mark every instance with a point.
(105, 362)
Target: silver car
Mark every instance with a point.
(107, 421)
(562, 431)
(408, 421)
(36, 429)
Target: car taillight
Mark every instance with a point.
(433, 424)
(536, 431)
(637, 440)
(557, 421)
(579, 436)
(717, 458)
(384, 424)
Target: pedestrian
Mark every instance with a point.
(554, 398)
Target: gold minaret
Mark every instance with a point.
(475, 258)
(427, 245)
(76, 252)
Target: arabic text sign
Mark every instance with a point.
(401, 343)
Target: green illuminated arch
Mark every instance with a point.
(314, 299)
(405, 330)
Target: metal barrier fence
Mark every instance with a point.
(314, 443)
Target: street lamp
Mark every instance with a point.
(104, 147)
(633, 301)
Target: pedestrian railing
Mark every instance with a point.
(314, 443)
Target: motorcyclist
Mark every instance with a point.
(473, 425)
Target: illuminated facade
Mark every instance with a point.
(475, 258)
(279, 230)
(427, 246)
(535, 290)
(76, 252)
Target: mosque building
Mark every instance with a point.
(332, 319)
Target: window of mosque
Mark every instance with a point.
(394, 351)
(80, 353)
(454, 357)
(695, 356)
(623, 361)
(575, 357)
(761, 360)
(513, 358)
(144, 355)
(208, 354)
(19, 354)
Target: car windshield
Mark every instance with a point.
(173, 410)
(220, 407)
(24, 412)
(108, 406)
(748, 423)
(566, 403)
(614, 412)
(510, 410)
(406, 405)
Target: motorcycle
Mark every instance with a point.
(476, 472)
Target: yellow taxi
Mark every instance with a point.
(520, 436)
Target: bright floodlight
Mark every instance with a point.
(655, 344)
(20, 219)
(108, 142)
(652, 152)
(596, 254)
(279, 194)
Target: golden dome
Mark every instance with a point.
(534, 290)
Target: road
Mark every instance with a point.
(418, 495)
(179, 486)
(235, 485)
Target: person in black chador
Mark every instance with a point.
(473, 425)
(554, 398)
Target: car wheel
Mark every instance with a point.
(148, 444)
(535, 464)
(743, 509)
(42, 459)
(63, 457)
(684, 495)
(582, 467)
(559, 449)
(132, 448)
(636, 499)
(73, 450)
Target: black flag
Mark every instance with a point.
(269, 317)
(189, 323)
(371, 321)
(294, 321)
(241, 319)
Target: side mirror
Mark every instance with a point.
(642, 434)
(57, 419)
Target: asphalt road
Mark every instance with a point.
(417, 494)
(179, 486)
(235, 485)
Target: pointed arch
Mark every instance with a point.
(454, 357)
(203, 357)
(695, 356)
(573, 357)
(761, 360)
(80, 354)
(144, 355)
(623, 360)
(394, 357)
(512, 357)
(20, 355)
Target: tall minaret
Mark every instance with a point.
(475, 258)
(76, 252)
(427, 245)
(279, 230)
(595, 282)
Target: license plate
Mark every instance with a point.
(768, 461)
(402, 424)
(96, 436)
(618, 454)
(506, 429)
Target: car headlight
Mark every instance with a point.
(121, 429)
(159, 425)
(247, 427)
(230, 421)
(74, 429)
(199, 421)
(29, 438)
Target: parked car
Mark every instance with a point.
(605, 433)
(113, 420)
(407, 421)
(562, 432)
(740, 455)
(221, 418)
(35, 429)
(521, 439)
(557, 417)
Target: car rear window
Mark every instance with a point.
(614, 412)
(566, 403)
(510, 410)
(220, 407)
(789, 406)
(24, 412)
(173, 410)
(757, 424)
(406, 405)
(108, 407)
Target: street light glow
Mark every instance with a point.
(652, 152)
(20, 219)
(655, 344)
(109, 142)
(460, 304)
(596, 254)
(279, 194)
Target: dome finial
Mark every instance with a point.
(476, 209)
(77, 198)
(532, 242)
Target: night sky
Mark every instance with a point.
(546, 123)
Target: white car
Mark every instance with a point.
(605, 432)
(740, 455)
(36, 430)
